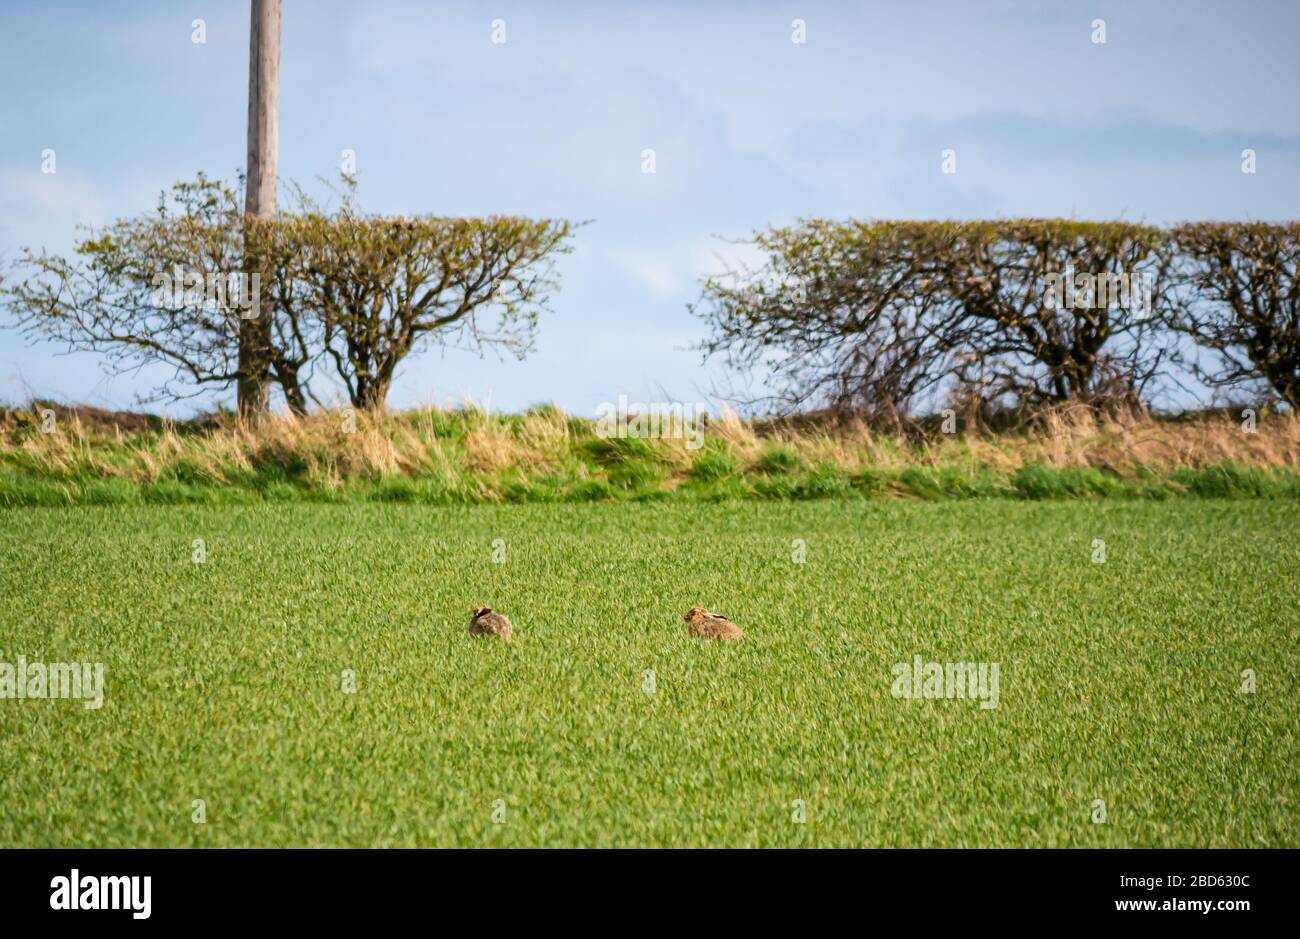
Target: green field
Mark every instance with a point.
(1118, 681)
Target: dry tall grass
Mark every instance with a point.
(1122, 445)
(468, 446)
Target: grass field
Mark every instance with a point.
(1119, 681)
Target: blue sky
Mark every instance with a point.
(748, 128)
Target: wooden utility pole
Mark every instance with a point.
(254, 387)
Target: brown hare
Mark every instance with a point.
(486, 623)
(703, 624)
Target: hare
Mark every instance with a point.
(486, 623)
(703, 624)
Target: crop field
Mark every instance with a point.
(297, 674)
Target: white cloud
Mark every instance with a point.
(662, 276)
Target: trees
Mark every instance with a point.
(873, 316)
(1239, 292)
(843, 315)
(1055, 310)
(378, 288)
(339, 289)
(143, 290)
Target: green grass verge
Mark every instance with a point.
(715, 477)
(1118, 681)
